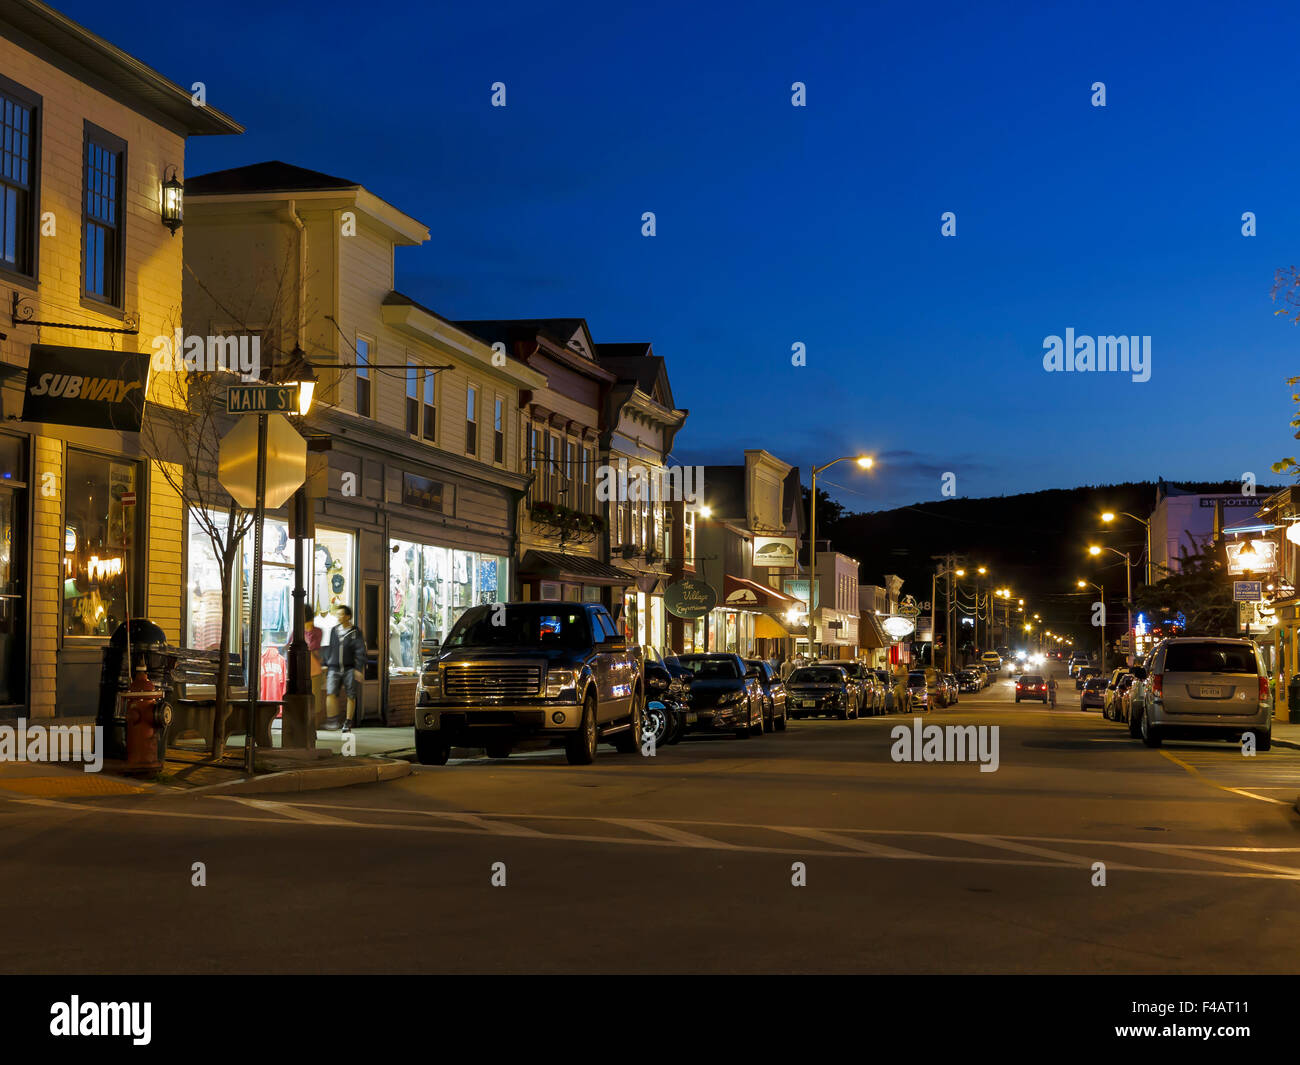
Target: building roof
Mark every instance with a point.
(570, 334)
(271, 176)
(53, 36)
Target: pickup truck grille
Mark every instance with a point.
(485, 682)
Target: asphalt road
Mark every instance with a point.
(685, 861)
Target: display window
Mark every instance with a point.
(100, 543)
(203, 631)
(429, 588)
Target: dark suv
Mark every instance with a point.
(511, 671)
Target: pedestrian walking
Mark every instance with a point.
(1051, 692)
(316, 668)
(345, 659)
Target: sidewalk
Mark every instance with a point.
(190, 772)
(1286, 734)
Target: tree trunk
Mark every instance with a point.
(222, 708)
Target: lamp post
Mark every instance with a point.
(1102, 591)
(1109, 516)
(1094, 550)
(864, 462)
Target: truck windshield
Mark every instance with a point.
(524, 625)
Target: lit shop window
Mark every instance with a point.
(100, 551)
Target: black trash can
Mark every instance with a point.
(148, 648)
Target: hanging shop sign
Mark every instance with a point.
(689, 598)
(897, 627)
(1252, 556)
(86, 387)
(422, 492)
(774, 551)
(1247, 591)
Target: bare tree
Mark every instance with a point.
(185, 421)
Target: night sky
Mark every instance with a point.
(821, 224)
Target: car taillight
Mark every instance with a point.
(1157, 684)
(1263, 688)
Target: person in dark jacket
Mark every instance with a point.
(345, 659)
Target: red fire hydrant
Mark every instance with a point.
(146, 713)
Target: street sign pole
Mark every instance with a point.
(254, 664)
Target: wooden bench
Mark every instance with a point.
(198, 669)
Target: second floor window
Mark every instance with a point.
(363, 377)
(105, 178)
(430, 405)
(471, 420)
(18, 113)
(499, 432)
(412, 399)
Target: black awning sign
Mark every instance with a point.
(87, 387)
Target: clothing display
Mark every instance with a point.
(275, 675)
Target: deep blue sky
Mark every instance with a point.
(821, 224)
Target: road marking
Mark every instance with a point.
(823, 836)
(493, 828)
(676, 835)
(843, 848)
(1222, 787)
(286, 810)
(1023, 848)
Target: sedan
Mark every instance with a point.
(918, 691)
(725, 694)
(821, 690)
(774, 696)
(887, 684)
(1093, 693)
(1031, 686)
(869, 695)
(1083, 673)
(1112, 708)
(969, 681)
(954, 688)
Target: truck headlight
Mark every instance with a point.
(559, 681)
(431, 682)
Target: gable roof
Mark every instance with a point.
(55, 38)
(571, 333)
(271, 176)
(639, 364)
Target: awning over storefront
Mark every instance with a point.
(743, 594)
(576, 569)
(870, 634)
(769, 628)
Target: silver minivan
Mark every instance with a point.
(1203, 687)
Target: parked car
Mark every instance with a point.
(953, 688)
(821, 690)
(1093, 693)
(969, 681)
(1126, 699)
(1031, 686)
(1201, 687)
(774, 708)
(555, 671)
(725, 694)
(1114, 690)
(1083, 673)
(1075, 663)
(870, 697)
(888, 683)
(987, 676)
(920, 695)
(993, 661)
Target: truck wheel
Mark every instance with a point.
(580, 748)
(431, 748)
(629, 742)
(499, 750)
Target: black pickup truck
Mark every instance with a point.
(514, 671)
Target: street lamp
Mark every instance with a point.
(1094, 550)
(1089, 584)
(1109, 516)
(865, 462)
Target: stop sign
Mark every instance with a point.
(286, 461)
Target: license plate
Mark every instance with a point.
(1211, 693)
(809, 702)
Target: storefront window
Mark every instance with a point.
(100, 545)
(333, 578)
(429, 588)
(203, 631)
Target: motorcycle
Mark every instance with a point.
(666, 705)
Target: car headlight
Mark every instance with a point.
(431, 681)
(731, 698)
(559, 681)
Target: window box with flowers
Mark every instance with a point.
(565, 522)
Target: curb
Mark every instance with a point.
(295, 780)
